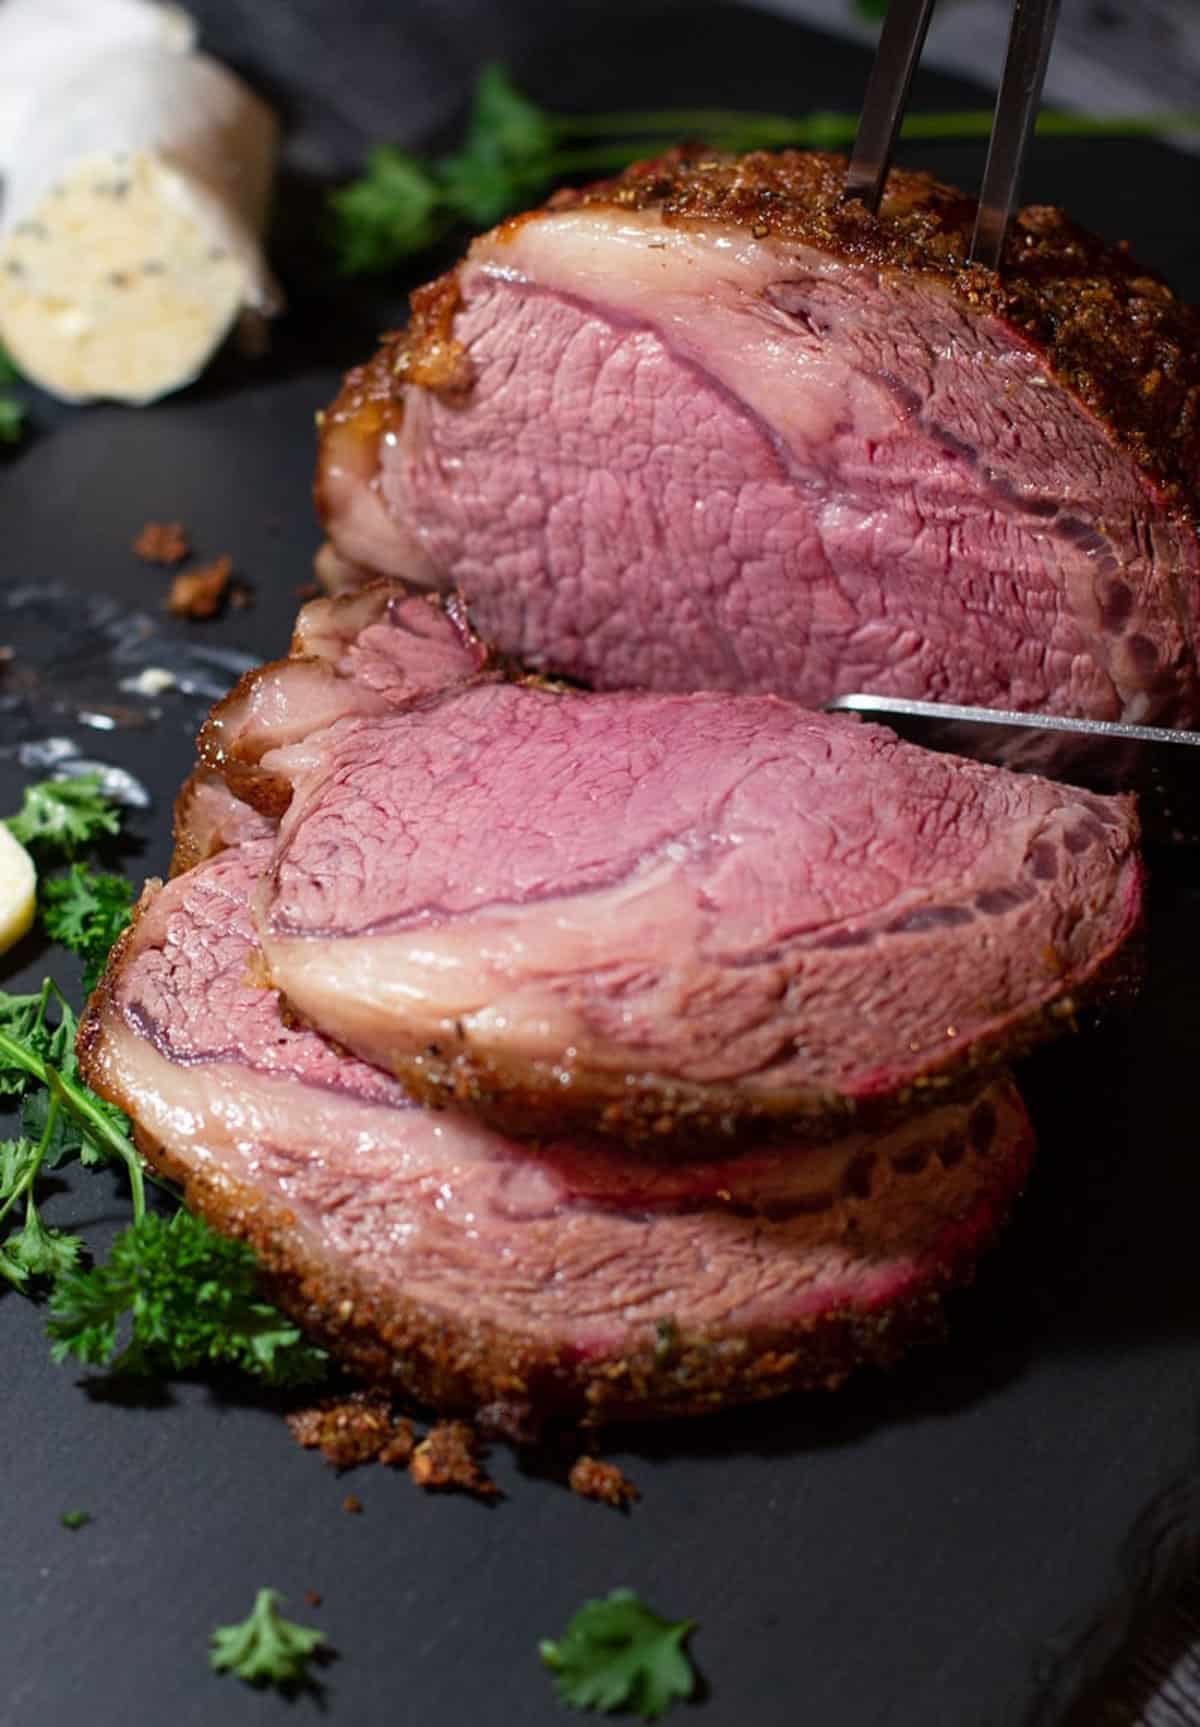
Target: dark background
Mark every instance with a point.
(914, 1552)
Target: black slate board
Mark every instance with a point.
(907, 1553)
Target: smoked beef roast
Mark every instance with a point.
(708, 426)
(666, 918)
(522, 1281)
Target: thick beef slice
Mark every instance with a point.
(680, 915)
(209, 818)
(708, 426)
(359, 654)
(562, 1278)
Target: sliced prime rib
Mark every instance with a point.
(676, 917)
(476, 1273)
(709, 426)
(362, 654)
(209, 819)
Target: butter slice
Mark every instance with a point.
(132, 224)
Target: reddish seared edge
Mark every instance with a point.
(708, 426)
(524, 1281)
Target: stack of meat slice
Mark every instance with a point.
(595, 1055)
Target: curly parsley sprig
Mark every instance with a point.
(174, 1296)
(61, 1122)
(191, 1300)
(619, 1654)
(86, 910)
(59, 817)
(265, 1648)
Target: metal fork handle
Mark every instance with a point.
(900, 43)
(1017, 104)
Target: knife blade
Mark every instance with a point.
(1160, 765)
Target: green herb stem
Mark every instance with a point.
(824, 125)
(76, 1101)
(102, 1132)
(590, 161)
(26, 1185)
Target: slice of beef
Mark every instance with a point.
(209, 818)
(709, 426)
(680, 916)
(560, 1279)
(361, 654)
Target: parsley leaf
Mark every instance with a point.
(42, 1252)
(37, 1059)
(265, 1648)
(618, 1654)
(12, 420)
(20, 1020)
(33, 1250)
(86, 910)
(59, 816)
(75, 1519)
(509, 143)
(191, 1300)
(12, 412)
(387, 214)
(18, 1168)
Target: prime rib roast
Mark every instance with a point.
(637, 1048)
(822, 898)
(709, 426)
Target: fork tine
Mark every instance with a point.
(1017, 104)
(900, 44)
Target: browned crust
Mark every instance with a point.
(1110, 330)
(458, 1363)
(352, 1430)
(607, 1483)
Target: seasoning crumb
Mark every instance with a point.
(447, 1461)
(241, 596)
(605, 1482)
(200, 592)
(348, 1431)
(307, 591)
(312, 1598)
(162, 543)
(399, 1448)
(353, 1504)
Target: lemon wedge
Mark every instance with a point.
(18, 890)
